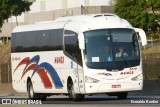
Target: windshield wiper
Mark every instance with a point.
(125, 61)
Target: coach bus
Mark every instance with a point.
(77, 56)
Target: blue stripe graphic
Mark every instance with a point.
(34, 59)
(52, 73)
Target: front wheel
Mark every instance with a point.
(32, 95)
(72, 94)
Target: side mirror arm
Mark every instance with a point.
(142, 34)
(81, 41)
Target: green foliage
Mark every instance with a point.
(10, 8)
(19, 6)
(1, 21)
(140, 13)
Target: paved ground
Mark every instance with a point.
(6, 89)
(151, 87)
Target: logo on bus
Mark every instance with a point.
(105, 74)
(42, 69)
(59, 60)
(134, 68)
(16, 58)
(127, 72)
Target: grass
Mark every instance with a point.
(151, 62)
(154, 49)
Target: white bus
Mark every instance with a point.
(77, 56)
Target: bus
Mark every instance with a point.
(77, 56)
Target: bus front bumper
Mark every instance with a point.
(114, 87)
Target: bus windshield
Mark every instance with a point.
(111, 49)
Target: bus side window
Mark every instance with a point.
(42, 40)
(71, 48)
(18, 42)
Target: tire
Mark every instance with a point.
(122, 96)
(72, 95)
(32, 95)
(35, 96)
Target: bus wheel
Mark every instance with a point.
(32, 95)
(122, 96)
(73, 95)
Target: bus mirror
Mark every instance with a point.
(142, 35)
(81, 41)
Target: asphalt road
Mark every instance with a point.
(93, 101)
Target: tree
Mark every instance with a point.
(10, 8)
(140, 13)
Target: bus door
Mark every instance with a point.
(71, 49)
(81, 80)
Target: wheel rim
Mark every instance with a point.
(72, 91)
(31, 91)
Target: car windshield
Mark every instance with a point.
(111, 48)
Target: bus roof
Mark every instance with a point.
(86, 18)
(39, 26)
(105, 20)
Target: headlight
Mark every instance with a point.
(138, 77)
(91, 80)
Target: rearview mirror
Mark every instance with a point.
(81, 41)
(142, 34)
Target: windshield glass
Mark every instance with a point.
(111, 48)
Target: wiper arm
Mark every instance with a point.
(125, 61)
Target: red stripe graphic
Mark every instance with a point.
(31, 67)
(44, 77)
(24, 61)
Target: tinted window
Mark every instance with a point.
(109, 49)
(17, 42)
(72, 46)
(46, 40)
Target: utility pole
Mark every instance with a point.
(83, 10)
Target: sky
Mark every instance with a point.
(49, 5)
